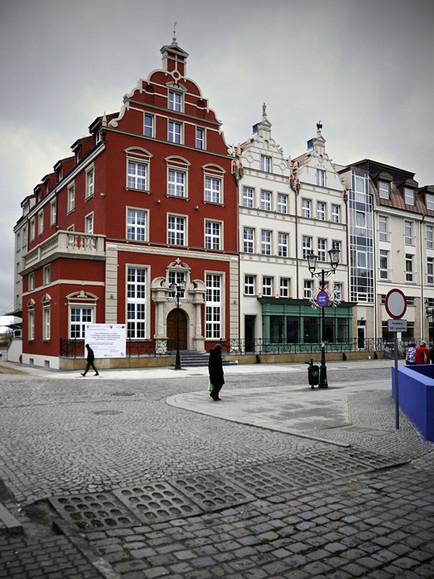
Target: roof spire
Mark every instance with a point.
(264, 112)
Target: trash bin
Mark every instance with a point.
(313, 375)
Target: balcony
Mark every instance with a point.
(65, 244)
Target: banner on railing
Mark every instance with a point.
(106, 340)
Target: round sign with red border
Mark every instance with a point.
(322, 299)
(396, 304)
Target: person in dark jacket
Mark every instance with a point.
(215, 368)
(90, 361)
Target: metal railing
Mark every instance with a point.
(74, 348)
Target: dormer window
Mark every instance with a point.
(430, 201)
(175, 101)
(409, 196)
(383, 189)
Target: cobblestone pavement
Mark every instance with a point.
(137, 488)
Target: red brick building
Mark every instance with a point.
(148, 199)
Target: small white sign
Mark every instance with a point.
(106, 340)
(397, 325)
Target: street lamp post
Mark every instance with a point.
(177, 288)
(322, 274)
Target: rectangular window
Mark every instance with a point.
(247, 197)
(284, 287)
(382, 227)
(383, 264)
(430, 201)
(267, 286)
(266, 242)
(305, 208)
(429, 271)
(322, 244)
(40, 222)
(213, 190)
(31, 319)
(320, 177)
(32, 229)
(266, 163)
(31, 281)
(408, 232)
(136, 303)
(249, 285)
(175, 132)
(307, 246)
(336, 217)
(90, 183)
(383, 189)
(320, 210)
(136, 178)
(337, 290)
(213, 235)
(175, 101)
(408, 267)
(71, 198)
(307, 290)
(429, 236)
(148, 125)
(176, 230)
(136, 225)
(360, 219)
(408, 196)
(176, 183)
(248, 239)
(47, 274)
(200, 138)
(213, 306)
(282, 244)
(88, 224)
(266, 200)
(46, 327)
(337, 245)
(79, 317)
(282, 203)
(177, 277)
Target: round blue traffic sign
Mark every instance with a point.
(322, 299)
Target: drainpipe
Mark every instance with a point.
(296, 190)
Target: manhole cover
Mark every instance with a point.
(93, 511)
(157, 501)
(107, 412)
(211, 491)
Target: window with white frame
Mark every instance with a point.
(32, 229)
(337, 290)
(320, 210)
(383, 189)
(148, 125)
(429, 236)
(176, 181)
(307, 289)
(90, 182)
(408, 196)
(337, 245)
(408, 232)
(46, 323)
(383, 223)
(47, 274)
(284, 287)
(71, 198)
(266, 163)
(430, 270)
(176, 230)
(40, 222)
(336, 213)
(248, 240)
(213, 235)
(265, 242)
(136, 225)
(31, 326)
(213, 306)
(247, 197)
(360, 221)
(79, 316)
(177, 277)
(305, 207)
(384, 255)
(200, 138)
(136, 302)
(88, 224)
(136, 177)
(430, 201)
(409, 267)
(53, 212)
(266, 200)
(307, 246)
(321, 245)
(282, 244)
(320, 177)
(175, 101)
(31, 282)
(249, 285)
(175, 132)
(282, 203)
(267, 286)
(213, 187)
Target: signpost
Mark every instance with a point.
(322, 299)
(396, 306)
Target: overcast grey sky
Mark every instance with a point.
(364, 67)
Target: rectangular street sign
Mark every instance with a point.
(397, 325)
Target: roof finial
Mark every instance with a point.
(319, 126)
(174, 33)
(264, 111)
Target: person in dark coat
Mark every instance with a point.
(90, 361)
(215, 368)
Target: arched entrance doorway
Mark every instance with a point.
(172, 321)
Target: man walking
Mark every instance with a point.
(90, 361)
(216, 374)
(422, 354)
